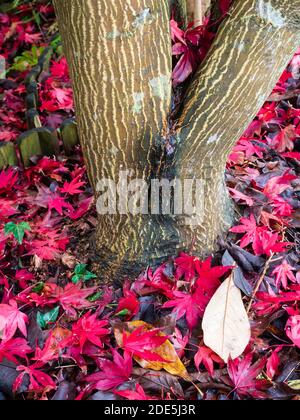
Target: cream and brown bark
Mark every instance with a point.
(120, 59)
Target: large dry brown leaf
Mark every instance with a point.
(226, 325)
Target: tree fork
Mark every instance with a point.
(253, 47)
(123, 95)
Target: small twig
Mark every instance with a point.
(198, 16)
(259, 283)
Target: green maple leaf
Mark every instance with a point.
(18, 230)
(81, 273)
(48, 318)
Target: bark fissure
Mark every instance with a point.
(120, 58)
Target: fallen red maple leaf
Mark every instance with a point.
(72, 188)
(186, 304)
(238, 196)
(206, 356)
(129, 303)
(143, 343)
(292, 329)
(38, 381)
(14, 347)
(209, 276)
(247, 226)
(113, 373)
(137, 395)
(244, 376)
(12, 319)
(186, 267)
(89, 329)
(283, 273)
(8, 179)
(273, 363)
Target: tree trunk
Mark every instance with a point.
(119, 54)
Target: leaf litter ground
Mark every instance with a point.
(64, 334)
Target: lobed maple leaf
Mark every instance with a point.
(60, 68)
(238, 196)
(273, 363)
(186, 266)
(292, 329)
(81, 210)
(38, 381)
(53, 346)
(244, 376)
(113, 373)
(277, 185)
(209, 276)
(143, 343)
(13, 348)
(8, 179)
(247, 226)
(284, 140)
(72, 188)
(262, 239)
(7, 208)
(207, 357)
(89, 329)
(12, 319)
(137, 395)
(249, 148)
(188, 305)
(283, 273)
(129, 305)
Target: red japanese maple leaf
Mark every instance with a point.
(244, 376)
(273, 363)
(263, 240)
(247, 226)
(38, 381)
(13, 348)
(73, 296)
(186, 304)
(186, 267)
(83, 208)
(23, 276)
(137, 395)
(239, 196)
(89, 329)
(249, 148)
(113, 373)
(267, 242)
(209, 275)
(12, 319)
(60, 69)
(283, 273)
(53, 346)
(129, 303)
(72, 188)
(206, 356)
(143, 343)
(187, 46)
(8, 179)
(292, 329)
(277, 185)
(52, 200)
(7, 208)
(284, 140)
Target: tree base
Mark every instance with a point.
(125, 244)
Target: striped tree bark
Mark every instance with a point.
(120, 60)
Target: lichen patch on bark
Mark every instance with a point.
(268, 13)
(161, 86)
